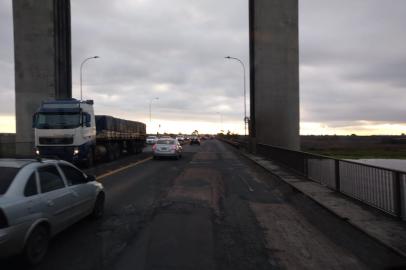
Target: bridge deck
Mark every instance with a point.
(386, 229)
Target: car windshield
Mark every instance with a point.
(58, 120)
(166, 142)
(6, 177)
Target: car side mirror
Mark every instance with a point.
(91, 178)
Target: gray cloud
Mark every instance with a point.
(178, 44)
(353, 60)
(351, 53)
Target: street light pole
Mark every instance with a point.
(150, 104)
(81, 69)
(245, 93)
(221, 121)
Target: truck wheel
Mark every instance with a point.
(117, 151)
(36, 246)
(110, 153)
(131, 148)
(89, 159)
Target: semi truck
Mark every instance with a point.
(69, 129)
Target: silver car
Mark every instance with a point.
(39, 199)
(151, 139)
(167, 148)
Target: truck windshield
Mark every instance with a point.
(60, 120)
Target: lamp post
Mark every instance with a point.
(245, 93)
(81, 69)
(221, 121)
(150, 104)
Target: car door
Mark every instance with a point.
(56, 197)
(32, 197)
(83, 193)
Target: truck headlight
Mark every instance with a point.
(76, 151)
(37, 152)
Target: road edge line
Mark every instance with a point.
(100, 177)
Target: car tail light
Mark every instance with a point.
(173, 147)
(154, 147)
(3, 220)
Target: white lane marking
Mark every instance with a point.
(245, 181)
(200, 162)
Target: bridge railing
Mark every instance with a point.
(378, 187)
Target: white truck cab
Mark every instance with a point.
(65, 129)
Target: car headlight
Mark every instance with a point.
(76, 151)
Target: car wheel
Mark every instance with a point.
(36, 246)
(98, 209)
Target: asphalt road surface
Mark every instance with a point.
(213, 209)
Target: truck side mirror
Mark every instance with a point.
(34, 119)
(87, 120)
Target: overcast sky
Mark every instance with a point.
(352, 63)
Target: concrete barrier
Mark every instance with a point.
(7, 145)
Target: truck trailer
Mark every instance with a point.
(69, 129)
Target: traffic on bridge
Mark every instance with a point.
(102, 165)
(211, 209)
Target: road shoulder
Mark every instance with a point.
(387, 230)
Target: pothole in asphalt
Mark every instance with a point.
(203, 185)
(195, 183)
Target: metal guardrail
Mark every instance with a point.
(378, 187)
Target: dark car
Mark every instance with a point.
(194, 140)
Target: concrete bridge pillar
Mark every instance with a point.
(274, 67)
(42, 51)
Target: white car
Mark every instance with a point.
(167, 148)
(180, 139)
(152, 139)
(39, 199)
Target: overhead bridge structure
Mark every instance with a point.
(42, 42)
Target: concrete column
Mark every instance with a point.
(42, 52)
(274, 66)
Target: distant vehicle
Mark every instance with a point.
(152, 139)
(167, 148)
(194, 140)
(39, 199)
(180, 139)
(68, 129)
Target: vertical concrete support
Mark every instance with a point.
(42, 52)
(274, 66)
